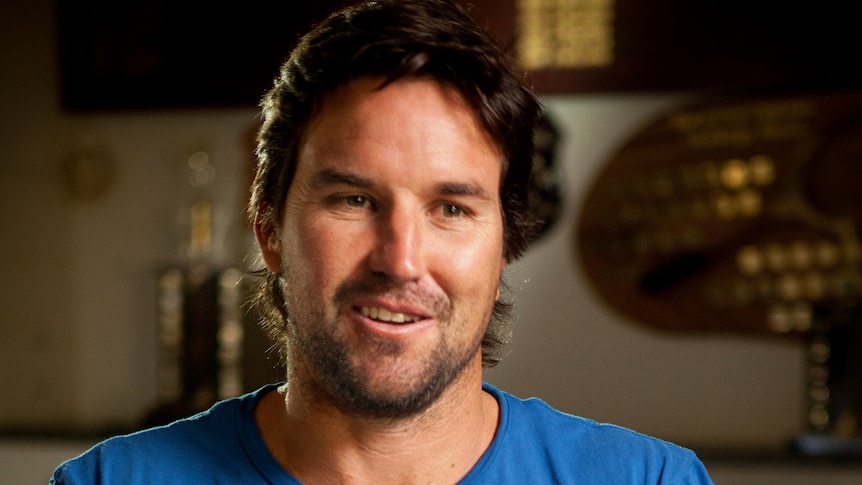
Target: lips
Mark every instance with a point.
(384, 315)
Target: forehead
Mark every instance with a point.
(418, 117)
(417, 92)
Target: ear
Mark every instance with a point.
(269, 243)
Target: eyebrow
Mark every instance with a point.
(462, 189)
(329, 177)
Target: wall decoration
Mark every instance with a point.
(156, 54)
(743, 216)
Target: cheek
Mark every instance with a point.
(320, 254)
(473, 267)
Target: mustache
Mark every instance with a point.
(377, 285)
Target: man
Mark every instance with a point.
(389, 196)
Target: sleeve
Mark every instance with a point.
(90, 468)
(690, 472)
(61, 476)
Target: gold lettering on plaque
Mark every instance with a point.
(565, 33)
(741, 126)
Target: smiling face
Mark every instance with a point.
(391, 248)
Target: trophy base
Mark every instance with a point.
(826, 445)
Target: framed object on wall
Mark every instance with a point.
(148, 54)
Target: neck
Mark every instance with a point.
(317, 443)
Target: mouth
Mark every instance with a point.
(383, 315)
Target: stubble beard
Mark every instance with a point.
(326, 356)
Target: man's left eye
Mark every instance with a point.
(452, 210)
(356, 201)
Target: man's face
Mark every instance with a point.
(392, 246)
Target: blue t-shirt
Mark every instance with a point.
(534, 444)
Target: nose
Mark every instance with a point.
(398, 249)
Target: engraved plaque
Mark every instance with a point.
(739, 216)
(744, 217)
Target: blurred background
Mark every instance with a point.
(126, 135)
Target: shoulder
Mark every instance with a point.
(563, 445)
(165, 454)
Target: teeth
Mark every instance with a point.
(385, 315)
